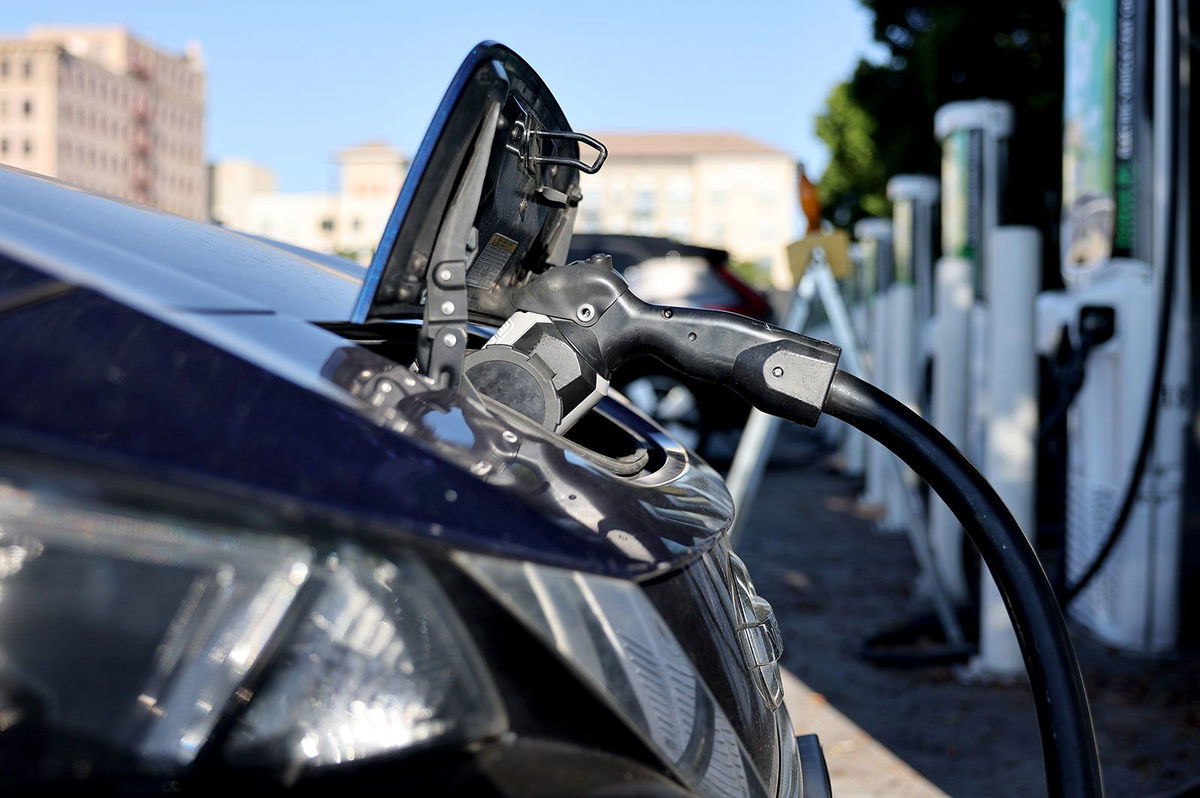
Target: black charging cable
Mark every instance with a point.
(575, 324)
(1068, 740)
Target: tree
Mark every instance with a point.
(880, 122)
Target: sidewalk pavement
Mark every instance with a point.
(859, 765)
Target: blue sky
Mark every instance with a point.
(290, 82)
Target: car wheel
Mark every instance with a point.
(671, 403)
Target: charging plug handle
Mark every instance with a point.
(775, 370)
(796, 377)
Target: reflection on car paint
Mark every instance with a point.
(672, 514)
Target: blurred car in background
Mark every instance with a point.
(663, 271)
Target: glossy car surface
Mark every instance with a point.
(184, 359)
(241, 539)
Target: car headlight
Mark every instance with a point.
(126, 640)
(379, 663)
(616, 641)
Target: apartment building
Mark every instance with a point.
(716, 189)
(101, 108)
(348, 222)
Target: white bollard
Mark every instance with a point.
(1010, 431)
(854, 445)
(875, 465)
(901, 372)
(875, 242)
(955, 296)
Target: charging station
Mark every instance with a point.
(914, 229)
(1125, 316)
(875, 271)
(909, 303)
(974, 138)
(915, 223)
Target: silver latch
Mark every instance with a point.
(524, 138)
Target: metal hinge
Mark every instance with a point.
(445, 327)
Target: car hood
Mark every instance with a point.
(241, 305)
(511, 206)
(152, 259)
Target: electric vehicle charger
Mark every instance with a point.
(1166, 293)
(575, 324)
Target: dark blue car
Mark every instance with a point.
(244, 543)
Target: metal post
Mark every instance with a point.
(839, 318)
(758, 436)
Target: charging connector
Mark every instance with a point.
(597, 324)
(588, 307)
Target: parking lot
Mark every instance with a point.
(833, 580)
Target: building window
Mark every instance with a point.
(27, 108)
(679, 227)
(356, 225)
(28, 69)
(643, 203)
(680, 195)
(327, 225)
(3, 69)
(3, 146)
(643, 212)
(589, 221)
(27, 147)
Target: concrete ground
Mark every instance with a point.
(859, 765)
(833, 580)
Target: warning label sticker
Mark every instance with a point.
(490, 263)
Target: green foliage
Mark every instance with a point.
(751, 273)
(363, 256)
(880, 122)
(855, 169)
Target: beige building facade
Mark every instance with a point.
(103, 109)
(348, 223)
(715, 189)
